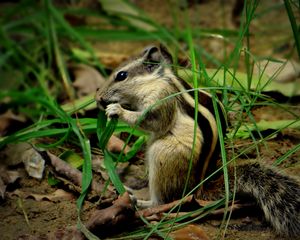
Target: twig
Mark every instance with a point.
(113, 217)
(74, 175)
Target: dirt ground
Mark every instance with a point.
(26, 216)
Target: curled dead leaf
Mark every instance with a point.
(189, 232)
(56, 196)
(7, 177)
(8, 120)
(15, 154)
(34, 163)
(87, 79)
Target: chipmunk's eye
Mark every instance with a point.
(121, 76)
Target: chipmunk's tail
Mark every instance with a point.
(277, 195)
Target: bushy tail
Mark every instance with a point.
(277, 195)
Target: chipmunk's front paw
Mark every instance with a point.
(114, 110)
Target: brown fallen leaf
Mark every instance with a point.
(112, 60)
(189, 232)
(8, 120)
(87, 79)
(56, 196)
(6, 177)
(34, 163)
(115, 144)
(14, 154)
(283, 71)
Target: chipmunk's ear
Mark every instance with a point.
(158, 55)
(166, 54)
(152, 54)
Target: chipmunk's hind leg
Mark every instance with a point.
(138, 202)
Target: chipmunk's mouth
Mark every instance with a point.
(102, 104)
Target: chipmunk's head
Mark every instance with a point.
(133, 80)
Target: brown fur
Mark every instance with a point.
(170, 153)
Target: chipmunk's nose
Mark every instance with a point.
(102, 103)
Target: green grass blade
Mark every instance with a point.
(286, 155)
(72, 33)
(135, 148)
(295, 28)
(86, 168)
(104, 133)
(111, 170)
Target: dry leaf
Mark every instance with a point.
(115, 144)
(57, 195)
(9, 119)
(15, 154)
(190, 232)
(283, 71)
(87, 79)
(34, 163)
(6, 177)
(12, 155)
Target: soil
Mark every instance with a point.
(25, 217)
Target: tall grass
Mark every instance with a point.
(36, 43)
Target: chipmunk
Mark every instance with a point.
(146, 92)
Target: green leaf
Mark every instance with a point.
(52, 181)
(238, 81)
(111, 170)
(85, 103)
(104, 133)
(135, 148)
(72, 158)
(287, 154)
(86, 170)
(101, 121)
(245, 130)
(294, 26)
